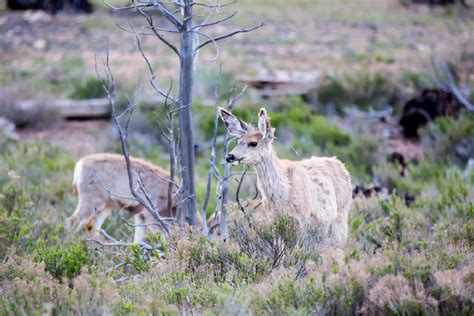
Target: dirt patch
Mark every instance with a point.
(77, 137)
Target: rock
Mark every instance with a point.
(423, 109)
(39, 44)
(7, 129)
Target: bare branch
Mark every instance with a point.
(152, 79)
(370, 114)
(167, 14)
(221, 37)
(171, 219)
(109, 88)
(160, 36)
(450, 85)
(214, 6)
(216, 22)
(225, 181)
(237, 193)
(213, 153)
(216, 47)
(125, 8)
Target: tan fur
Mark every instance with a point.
(316, 190)
(101, 182)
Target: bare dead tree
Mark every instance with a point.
(139, 192)
(225, 179)
(188, 27)
(212, 160)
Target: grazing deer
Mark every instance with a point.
(101, 182)
(316, 190)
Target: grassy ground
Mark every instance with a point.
(401, 258)
(404, 255)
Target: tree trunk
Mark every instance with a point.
(186, 141)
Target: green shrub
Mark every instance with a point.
(289, 297)
(62, 261)
(363, 89)
(140, 259)
(222, 262)
(450, 140)
(88, 88)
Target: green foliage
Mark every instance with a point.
(291, 114)
(88, 88)
(225, 264)
(289, 297)
(156, 238)
(450, 140)
(363, 89)
(139, 260)
(62, 260)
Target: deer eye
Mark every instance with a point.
(253, 144)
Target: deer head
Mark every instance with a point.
(254, 145)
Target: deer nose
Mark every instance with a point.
(230, 158)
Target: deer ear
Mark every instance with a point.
(264, 124)
(234, 125)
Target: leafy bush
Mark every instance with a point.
(267, 244)
(362, 89)
(450, 140)
(62, 260)
(289, 114)
(88, 88)
(221, 262)
(289, 297)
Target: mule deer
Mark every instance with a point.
(101, 182)
(316, 190)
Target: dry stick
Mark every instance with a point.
(221, 37)
(109, 88)
(225, 180)
(169, 112)
(149, 19)
(213, 154)
(237, 193)
(214, 6)
(152, 79)
(452, 87)
(172, 154)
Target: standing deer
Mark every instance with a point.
(101, 182)
(316, 190)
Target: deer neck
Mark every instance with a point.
(273, 181)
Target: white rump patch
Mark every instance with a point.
(78, 171)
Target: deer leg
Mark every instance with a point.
(100, 217)
(341, 227)
(140, 229)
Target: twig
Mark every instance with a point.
(237, 193)
(221, 37)
(450, 85)
(109, 87)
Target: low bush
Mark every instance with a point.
(362, 89)
(22, 113)
(88, 88)
(62, 261)
(450, 140)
